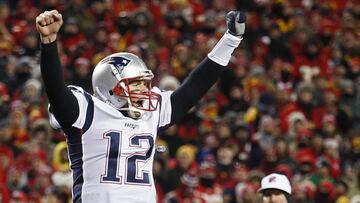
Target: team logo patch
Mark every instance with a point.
(272, 179)
(118, 62)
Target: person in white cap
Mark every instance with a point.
(275, 188)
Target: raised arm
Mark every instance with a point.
(63, 103)
(209, 70)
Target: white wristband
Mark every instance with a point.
(223, 50)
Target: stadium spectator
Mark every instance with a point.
(275, 188)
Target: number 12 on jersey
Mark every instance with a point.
(131, 170)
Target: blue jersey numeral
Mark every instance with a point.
(113, 156)
(132, 160)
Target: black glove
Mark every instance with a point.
(235, 21)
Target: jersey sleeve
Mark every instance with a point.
(165, 107)
(79, 94)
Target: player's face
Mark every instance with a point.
(137, 87)
(273, 196)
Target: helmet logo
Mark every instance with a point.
(118, 62)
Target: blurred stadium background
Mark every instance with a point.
(289, 103)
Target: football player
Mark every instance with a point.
(111, 134)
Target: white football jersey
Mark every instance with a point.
(112, 155)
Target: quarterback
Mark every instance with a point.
(111, 134)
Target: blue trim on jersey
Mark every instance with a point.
(160, 104)
(74, 143)
(89, 113)
(73, 138)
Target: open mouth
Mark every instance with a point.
(138, 103)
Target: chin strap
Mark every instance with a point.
(133, 112)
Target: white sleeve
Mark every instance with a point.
(83, 104)
(165, 107)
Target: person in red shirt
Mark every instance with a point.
(208, 190)
(312, 62)
(303, 104)
(185, 192)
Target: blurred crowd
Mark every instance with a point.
(288, 103)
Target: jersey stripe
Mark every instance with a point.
(73, 136)
(89, 113)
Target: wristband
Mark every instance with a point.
(223, 50)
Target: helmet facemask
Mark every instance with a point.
(138, 100)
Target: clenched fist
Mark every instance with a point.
(48, 25)
(235, 21)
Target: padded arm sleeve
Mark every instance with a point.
(194, 87)
(63, 103)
